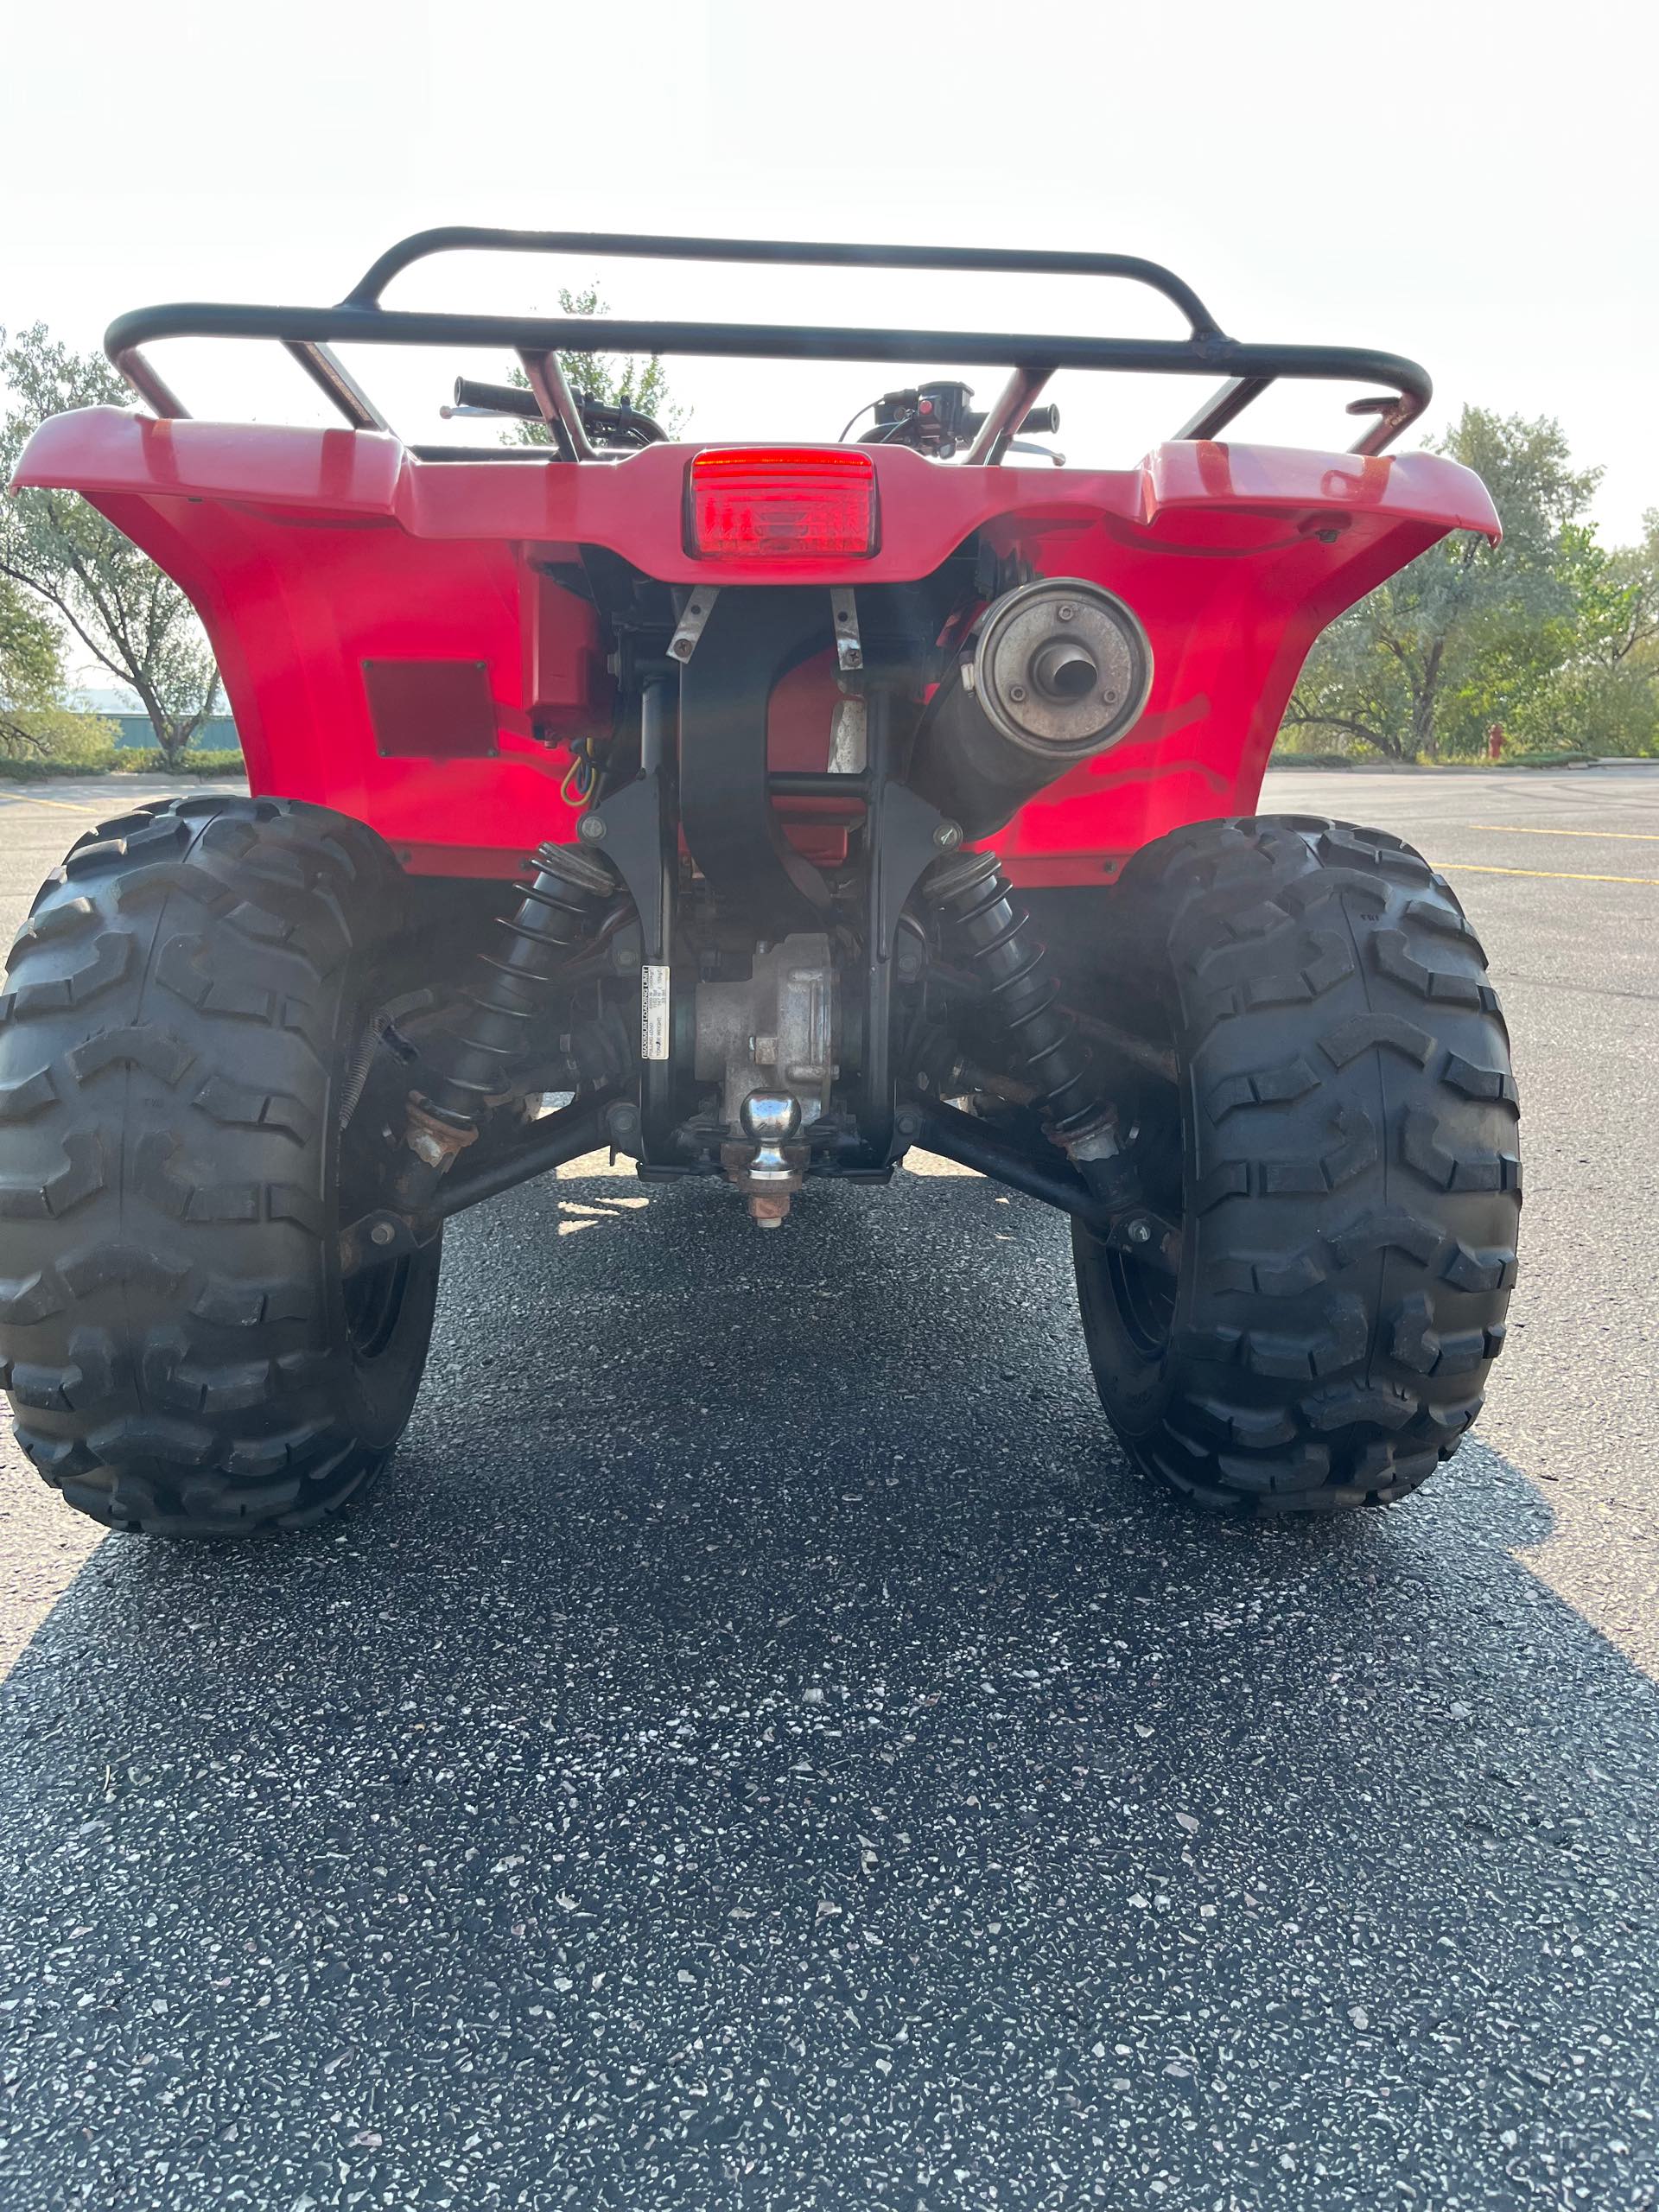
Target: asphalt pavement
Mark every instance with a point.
(759, 1746)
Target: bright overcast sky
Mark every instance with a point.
(1476, 186)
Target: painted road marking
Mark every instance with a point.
(1525, 829)
(1538, 874)
(64, 806)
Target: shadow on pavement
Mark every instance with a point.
(762, 1747)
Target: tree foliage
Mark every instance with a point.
(614, 379)
(126, 615)
(1603, 696)
(1550, 634)
(36, 722)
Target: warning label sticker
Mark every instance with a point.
(653, 1012)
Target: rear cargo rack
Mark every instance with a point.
(310, 333)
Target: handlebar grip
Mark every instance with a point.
(1039, 418)
(499, 398)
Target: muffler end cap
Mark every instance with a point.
(1062, 668)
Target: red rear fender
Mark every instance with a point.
(309, 553)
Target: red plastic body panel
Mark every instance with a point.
(308, 553)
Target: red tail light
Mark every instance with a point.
(773, 503)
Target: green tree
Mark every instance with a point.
(1467, 633)
(1604, 697)
(614, 379)
(129, 617)
(1630, 623)
(36, 722)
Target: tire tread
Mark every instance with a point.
(1353, 1177)
(165, 1084)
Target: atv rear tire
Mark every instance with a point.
(1340, 1150)
(185, 1035)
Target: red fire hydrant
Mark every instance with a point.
(1494, 742)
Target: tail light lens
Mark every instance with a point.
(780, 503)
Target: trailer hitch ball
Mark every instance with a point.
(771, 1174)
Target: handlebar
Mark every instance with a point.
(497, 398)
(624, 424)
(1040, 421)
(935, 418)
(474, 397)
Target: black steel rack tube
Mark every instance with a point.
(1246, 370)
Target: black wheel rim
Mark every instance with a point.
(374, 1303)
(1145, 1296)
(1145, 1299)
(373, 1298)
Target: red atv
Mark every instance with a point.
(881, 793)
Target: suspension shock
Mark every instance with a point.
(558, 912)
(977, 906)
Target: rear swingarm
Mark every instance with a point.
(1045, 1175)
(375, 1238)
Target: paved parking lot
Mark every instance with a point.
(761, 1748)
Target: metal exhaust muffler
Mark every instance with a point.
(1053, 672)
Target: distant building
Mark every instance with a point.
(217, 735)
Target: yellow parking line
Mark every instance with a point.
(64, 806)
(1525, 829)
(1553, 874)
